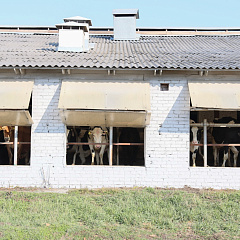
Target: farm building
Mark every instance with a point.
(139, 86)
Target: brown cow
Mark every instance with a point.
(24, 135)
(8, 135)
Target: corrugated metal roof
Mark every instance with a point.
(170, 52)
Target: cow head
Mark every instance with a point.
(195, 134)
(97, 134)
(6, 132)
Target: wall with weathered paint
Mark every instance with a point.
(167, 141)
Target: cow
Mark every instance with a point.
(225, 135)
(97, 135)
(3, 150)
(70, 137)
(8, 135)
(81, 136)
(77, 135)
(24, 135)
(195, 137)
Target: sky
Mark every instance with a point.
(153, 13)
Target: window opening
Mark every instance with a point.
(164, 86)
(222, 138)
(7, 147)
(128, 146)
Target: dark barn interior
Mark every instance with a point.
(24, 149)
(125, 154)
(212, 116)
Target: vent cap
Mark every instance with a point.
(74, 34)
(125, 24)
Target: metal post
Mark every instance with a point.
(15, 145)
(110, 145)
(117, 145)
(205, 141)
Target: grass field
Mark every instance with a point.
(141, 213)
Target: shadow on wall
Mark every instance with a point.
(50, 121)
(177, 119)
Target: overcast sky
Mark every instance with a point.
(153, 13)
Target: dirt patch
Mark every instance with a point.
(198, 190)
(67, 190)
(36, 190)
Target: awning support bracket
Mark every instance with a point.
(111, 72)
(157, 72)
(66, 71)
(203, 73)
(19, 71)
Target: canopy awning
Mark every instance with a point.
(105, 95)
(212, 95)
(105, 103)
(105, 118)
(14, 102)
(15, 94)
(15, 118)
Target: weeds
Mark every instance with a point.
(146, 213)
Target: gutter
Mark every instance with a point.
(112, 71)
(120, 69)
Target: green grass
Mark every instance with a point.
(141, 213)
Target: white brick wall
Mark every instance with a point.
(167, 147)
(48, 131)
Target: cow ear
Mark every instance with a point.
(105, 132)
(90, 133)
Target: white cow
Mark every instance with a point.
(97, 135)
(195, 136)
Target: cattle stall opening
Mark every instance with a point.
(214, 138)
(15, 140)
(105, 146)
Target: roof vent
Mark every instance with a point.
(74, 34)
(125, 24)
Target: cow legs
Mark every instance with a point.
(81, 154)
(229, 156)
(19, 150)
(101, 157)
(27, 160)
(93, 153)
(200, 152)
(97, 158)
(79, 150)
(216, 156)
(74, 157)
(93, 156)
(225, 158)
(235, 155)
(101, 154)
(23, 154)
(10, 155)
(194, 155)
